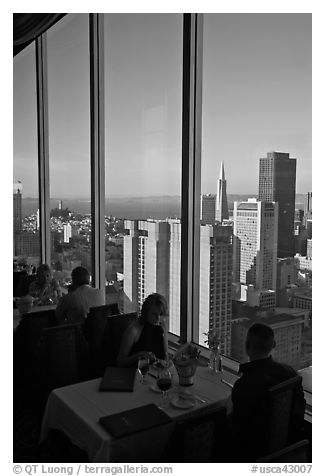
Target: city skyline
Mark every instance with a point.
(256, 98)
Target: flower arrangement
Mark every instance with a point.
(213, 340)
(187, 354)
(186, 360)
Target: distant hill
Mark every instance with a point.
(133, 208)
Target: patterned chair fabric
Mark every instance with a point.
(27, 340)
(198, 438)
(93, 330)
(66, 355)
(114, 330)
(282, 414)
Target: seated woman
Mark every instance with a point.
(45, 289)
(148, 336)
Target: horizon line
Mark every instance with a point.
(146, 196)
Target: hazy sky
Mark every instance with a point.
(256, 98)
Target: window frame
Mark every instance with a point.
(191, 161)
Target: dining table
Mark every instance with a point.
(76, 409)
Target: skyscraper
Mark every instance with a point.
(17, 206)
(146, 261)
(208, 205)
(175, 276)
(17, 214)
(277, 183)
(214, 208)
(67, 232)
(222, 203)
(308, 211)
(215, 283)
(255, 243)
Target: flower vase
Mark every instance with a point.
(214, 360)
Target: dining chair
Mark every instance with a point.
(286, 413)
(200, 437)
(66, 355)
(295, 453)
(93, 330)
(112, 337)
(27, 338)
(274, 420)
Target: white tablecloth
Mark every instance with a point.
(76, 409)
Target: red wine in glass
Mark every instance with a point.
(164, 383)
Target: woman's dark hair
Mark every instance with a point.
(80, 276)
(154, 299)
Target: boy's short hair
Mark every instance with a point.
(261, 338)
(80, 276)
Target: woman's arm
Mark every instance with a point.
(164, 322)
(130, 337)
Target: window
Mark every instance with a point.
(69, 145)
(25, 164)
(143, 155)
(143, 90)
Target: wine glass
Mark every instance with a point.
(143, 367)
(164, 383)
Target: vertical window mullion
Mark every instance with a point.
(43, 147)
(97, 146)
(191, 174)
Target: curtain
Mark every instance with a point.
(28, 26)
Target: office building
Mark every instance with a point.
(215, 283)
(208, 209)
(286, 273)
(17, 216)
(277, 183)
(175, 276)
(67, 232)
(264, 299)
(308, 212)
(17, 206)
(310, 248)
(303, 262)
(27, 244)
(146, 261)
(287, 334)
(309, 228)
(255, 243)
(302, 299)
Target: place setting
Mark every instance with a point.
(185, 362)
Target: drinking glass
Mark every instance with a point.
(143, 367)
(164, 383)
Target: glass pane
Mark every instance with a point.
(143, 67)
(256, 99)
(69, 144)
(25, 163)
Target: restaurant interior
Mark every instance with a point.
(62, 411)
